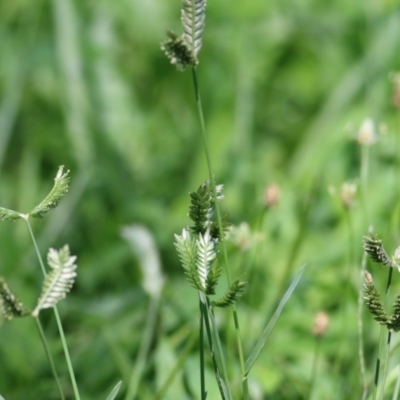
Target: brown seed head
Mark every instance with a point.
(321, 324)
(368, 278)
(272, 195)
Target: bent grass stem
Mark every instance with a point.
(58, 319)
(224, 251)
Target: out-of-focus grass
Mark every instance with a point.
(285, 87)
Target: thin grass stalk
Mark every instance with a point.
(203, 395)
(214, 350)
(58, 319)
(224, 251)
(301, 234)
(49, 356)
(384, 348)
(364, 170)
(255, 254)
(397, 387)
(361, 330)
(385, 365)
(395, 221)
(314, 367)
(178, 367)
(148, 333)
(344, 312)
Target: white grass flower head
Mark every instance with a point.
(143, 246)
(366, 135)
(348, 193)
(205, 255)
(242, 237)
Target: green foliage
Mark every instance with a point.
(10, 305)
(285, 87)
(60, 279)
(114, 392)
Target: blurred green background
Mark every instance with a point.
(285, 88)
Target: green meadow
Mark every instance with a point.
(301, 108)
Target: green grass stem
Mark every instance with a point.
(182, 358)
(49, 356)
(215, 349)
(147, 337)
(224, 251)
(58, 319)
(203, 393)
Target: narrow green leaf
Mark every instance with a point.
(60, 279)
(60, 189)
(261, 342)
(115, 391)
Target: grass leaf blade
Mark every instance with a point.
(261, 342)
(115, 391)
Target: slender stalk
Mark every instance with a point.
(360, 330)
(364, 169)
(385, 365)
(384, 348)
(58, 319)
(178, 367)
(203, 394)
(148, 333)
(215, 349)
(397, 387)
(301, 234)
(49, 356)
(314, 367)
(224, 251)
